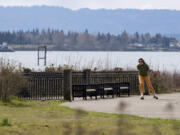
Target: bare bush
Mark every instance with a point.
(162, 81)
(52, 68)
(11, 79)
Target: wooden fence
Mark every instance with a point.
(43, 85)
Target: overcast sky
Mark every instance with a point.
(96, 4)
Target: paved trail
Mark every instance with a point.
(146, 108)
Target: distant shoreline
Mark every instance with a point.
(94, 51)
(53, 48)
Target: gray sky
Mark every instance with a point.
(96, 4)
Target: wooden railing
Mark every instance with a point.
(44, 85)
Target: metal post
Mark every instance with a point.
(87, 74)
(44, 48)
(45, 56)
(38, 56)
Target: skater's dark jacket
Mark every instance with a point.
(143, 69)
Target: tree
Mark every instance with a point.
(165, 42)
(124, 38)
(84, 40)
(58, 38)
(136, 37)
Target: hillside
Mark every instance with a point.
(103, 20)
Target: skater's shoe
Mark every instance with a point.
(142, 97)
(155, 96)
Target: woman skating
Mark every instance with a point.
(143, 69)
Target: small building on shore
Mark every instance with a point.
(4, 48)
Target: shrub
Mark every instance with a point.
(27, 70)
(117, 69)
(162, 81)
(11, 79)
(95, 69)
(51, 68)
(176, 80)
(5, 122)
(60, 68)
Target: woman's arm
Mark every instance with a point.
(138, 67)
(147, 67)
(149, 70)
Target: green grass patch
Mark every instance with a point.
(50, 118)
(5, 122)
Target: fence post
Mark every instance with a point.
(87, 73)
(68, 84)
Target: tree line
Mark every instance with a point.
(61, 40)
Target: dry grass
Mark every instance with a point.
(49, 118)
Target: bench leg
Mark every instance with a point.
(73, 96)
(128, 92)
(113, 94)
(103, 94)
(96, 94)
(85, 96)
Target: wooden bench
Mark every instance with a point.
(123, 87)
(85, 90)
(108, 89)
(92, 90)
(78, 91)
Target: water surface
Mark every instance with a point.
(168, 61)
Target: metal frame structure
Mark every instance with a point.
(43, 48)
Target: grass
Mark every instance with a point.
(49, 118)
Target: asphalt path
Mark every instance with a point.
(167, 106)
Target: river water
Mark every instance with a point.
(164, 61)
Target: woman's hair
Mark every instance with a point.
(141, 59)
